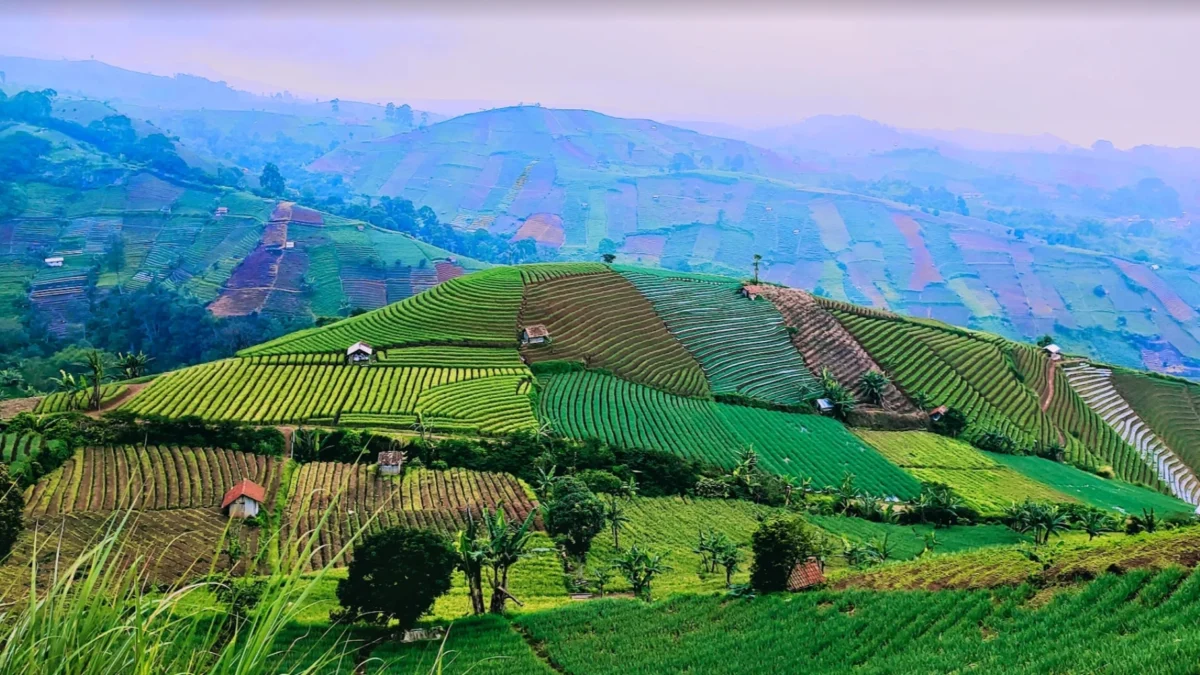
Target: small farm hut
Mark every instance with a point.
(825, 406)
(936, 413)
(359, 352)
(289, 244)
(221, 211)
(806, 574)
(536, 334)
(244, 499)
(1054, 351)
(390, 462)
(55, 261)
(751, 291)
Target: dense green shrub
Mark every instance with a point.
(778, 545)
(396, 574)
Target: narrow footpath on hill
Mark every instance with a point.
(1049, 395)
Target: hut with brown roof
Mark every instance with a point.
(535, 334)
(391, 462)
(244, 499)
(806, 574)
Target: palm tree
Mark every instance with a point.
(789, 485)
(472, 552)
(96, 364)
(72, 386)
(873, 385)
(757, 260)
(132, 365)
(845, 494)
(1094, 523)
(617, 519)
(506, 545)
(730, 557)
(608, 258)
(639, 568)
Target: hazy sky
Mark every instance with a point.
(1127, 77)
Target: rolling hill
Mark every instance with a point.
(699, 369)
(852, 228)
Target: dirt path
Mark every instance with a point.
(1049, 395)
(111, 404)
(15, 406)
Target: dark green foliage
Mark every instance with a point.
(271, 181)
(121, 428)
(396, 574)
(778, 545)
(1045, 341)
(574, 516)
(942, 506)
(952, 423)
(599, 480)
(12, 510)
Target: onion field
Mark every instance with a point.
(538, 272)
(986, 485)
(742, 345)
(360, 500)
(593, 405)
(58, 402)
(479, 309)
(1111, 494)
(452, 357)
(14, 447)
(602, 321)
(117, 479)
(1141, 622)
(1171, 407)
(488, 400)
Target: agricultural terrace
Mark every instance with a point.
(352, 496)
(1171, 407)
(952, 368)
(484, 400)
(59, 401)
(908, 541)
(1065, 562)
(539, 272)
(152, 477)
(741, 344)
(1082, 424)
(985, 484)
(1103, 493)
(1141, 622)
(593, 405)
(173, 544)
(14, 447)
(602, 321)
(479, 308)
(452, 357)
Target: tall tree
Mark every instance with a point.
(396, 574)
(506, 545)
(757, 260)
(271, 181)
(472, 554)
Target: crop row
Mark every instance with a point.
(58, 402)
(477, 308)
(538, 272)
(1137, 623)
(14, 447)
(593, 405)
(152, 477)
(355, 500)
(742, 345)
(496, 400)
(951, 369)
(453, 357)
(602, 321)
(1170, 407)
(298, 360)
(1082, 424)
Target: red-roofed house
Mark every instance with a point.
(244, 499)
(811, 572)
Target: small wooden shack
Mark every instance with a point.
(391, 462)
(536, 334)
(359, 353)
(56, 261)
(806, 574)
(1054, 351)
(751, 291)
(825, 406)
(244, 499)
(289, 244)
(221, 212)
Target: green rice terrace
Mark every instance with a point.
(987, 505)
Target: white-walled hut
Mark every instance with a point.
(536, 334)
(825, 406)
(54, 261)
(359, 352)
(391, 462)
(244, 499)
(1054, 351)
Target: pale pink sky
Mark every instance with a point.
(1126, 77)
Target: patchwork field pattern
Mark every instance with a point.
(351, 498)
(484, 400)
(592, 405)
(602, 321)
(742, 345)
(985, 484)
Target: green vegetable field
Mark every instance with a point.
(601, 320)
(1171, 407)
(1111, 494)
(14, 447)
(742, 344)
(479, 308)
(1137, 623)
(57, 402)
(592, 405)
(984, 483)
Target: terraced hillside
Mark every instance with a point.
(825, 344)
(482, 400)
(1170, 406)
(593, 405)
(352, 496)
(1103, 493)
(62, 401)
(986, 485)
(741, 344)
(102, 480)
(478, 309)
(1095, 386)
(603, 322)
(15, 447)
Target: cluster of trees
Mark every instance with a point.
(932, 199)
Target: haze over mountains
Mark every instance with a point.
(1021, 235)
